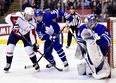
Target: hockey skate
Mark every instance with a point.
(37, 67)
(66, 66)
(7, 67)
(67, 46)
(50, 65)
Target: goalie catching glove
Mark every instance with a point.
(88, 34)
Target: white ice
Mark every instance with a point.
(17, 73)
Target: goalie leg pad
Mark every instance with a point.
(81, 49)
(105, 71)
(95, 54)
(88, 70)
(81, 68)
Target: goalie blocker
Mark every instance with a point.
(93, 42)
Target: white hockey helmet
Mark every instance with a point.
(29, 11)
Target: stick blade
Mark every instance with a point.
(28, 67)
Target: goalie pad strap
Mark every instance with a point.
(100, 66)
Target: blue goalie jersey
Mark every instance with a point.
(104, 34)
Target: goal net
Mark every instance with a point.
(111, 25)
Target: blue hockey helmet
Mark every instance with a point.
(90, 20)
(38, 12)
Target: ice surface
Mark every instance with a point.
(18, 74)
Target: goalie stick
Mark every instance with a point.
(91, 67)
(42, 55)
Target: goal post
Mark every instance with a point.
(111, 25)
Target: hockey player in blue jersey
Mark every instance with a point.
(47, 30)
(93, 42)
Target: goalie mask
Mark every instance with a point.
(90, 21)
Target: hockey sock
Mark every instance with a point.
(52, 61)
(9, 59)
(62, 55)
(34, 59)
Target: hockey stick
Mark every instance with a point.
(30, 66)
(91, 67)
(73, 34)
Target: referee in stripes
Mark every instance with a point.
(73, 25)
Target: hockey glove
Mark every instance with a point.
(53, 38)
(88, 34)
(35, 47)
(16, 28)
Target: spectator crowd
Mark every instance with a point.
(4, 6)
(108, 8)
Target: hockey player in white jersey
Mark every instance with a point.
(23, 26)
(93, 42)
